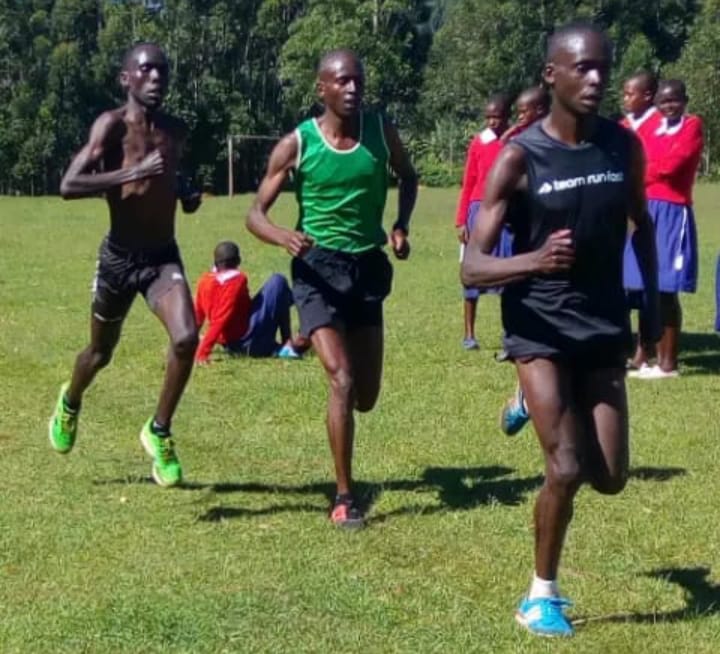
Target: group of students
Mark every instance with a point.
(565, 186)
(673, 142)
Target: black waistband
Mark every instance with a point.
(319, 251)
(140, 253)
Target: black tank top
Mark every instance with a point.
(584, 188)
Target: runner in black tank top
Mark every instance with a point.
(568, 186)
(579, 313)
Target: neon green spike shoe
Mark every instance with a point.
(62, 428)
(166, 470)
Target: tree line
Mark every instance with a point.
(246, 67)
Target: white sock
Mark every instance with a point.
(520, 396)
(543, 588)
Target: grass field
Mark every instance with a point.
(94, 558)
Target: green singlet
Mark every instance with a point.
(341, 193)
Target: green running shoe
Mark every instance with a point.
(166, 470)
(63, 425)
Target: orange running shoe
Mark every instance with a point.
(346, 514)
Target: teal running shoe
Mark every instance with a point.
(287, 351)
(63, 425)
(514, 415)
(545, 616)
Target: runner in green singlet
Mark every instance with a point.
(340, 273)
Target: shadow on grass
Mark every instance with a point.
(702, 599)
(647, 473)
(219, 513)
(456, 489)
(700, 353)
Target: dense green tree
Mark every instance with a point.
(485, 46)
(382, 32)
(698, 67)
(248, 68)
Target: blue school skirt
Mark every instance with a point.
(676, 239)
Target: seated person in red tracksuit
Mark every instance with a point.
(241, 324)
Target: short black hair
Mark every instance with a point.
(130, 52)
(331, 55)
(227, 253)
(647, 78)
(501, 100)
(557, 39)
(536, 95)
(675, 84)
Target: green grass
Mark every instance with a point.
(93, 558)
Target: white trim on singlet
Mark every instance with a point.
(330, 147)
(298, 154)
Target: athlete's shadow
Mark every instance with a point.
(648, 473)
(700, 353)
(462, 489)
(702, 599)
(454, 489)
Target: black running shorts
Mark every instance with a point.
(123, 273)
(340, 289)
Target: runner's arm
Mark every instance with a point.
(82, 179)
(407, 177)
(186, 191)
(282, 160)
(480, 268)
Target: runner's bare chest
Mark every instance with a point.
(141, 139)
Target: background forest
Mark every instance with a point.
(246, 67)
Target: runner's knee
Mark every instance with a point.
(185, 343)
(341, 382)
(564, 471)
(97, 357)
